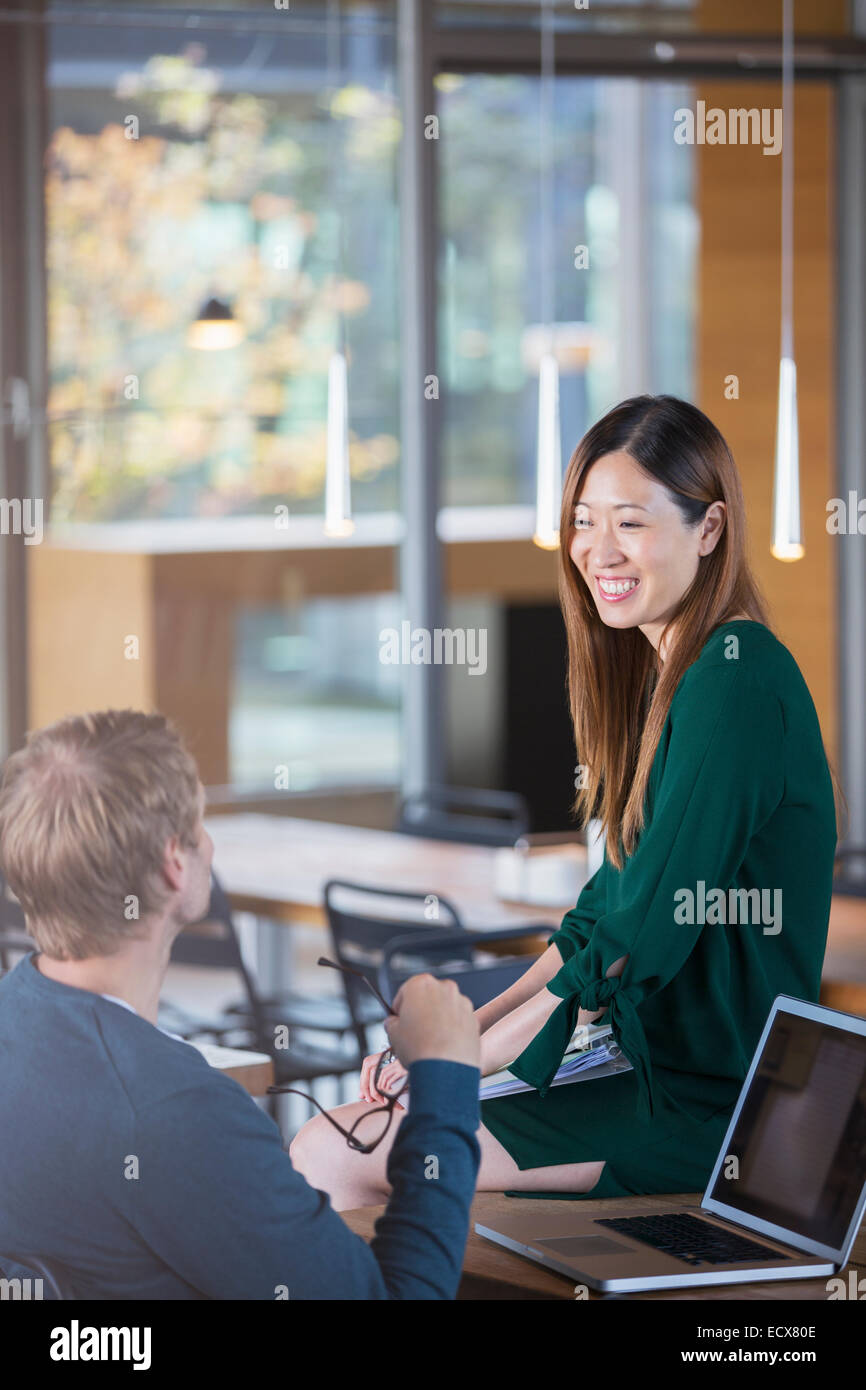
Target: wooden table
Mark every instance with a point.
(491, 1272)
(845, 958)
(277, 867)
(252, 1070)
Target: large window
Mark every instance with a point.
(250, 155)
(253, 162)
(263, 172)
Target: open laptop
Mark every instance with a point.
(785, 1197)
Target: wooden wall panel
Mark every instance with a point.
(738, 197)
(765, 16)
(83, 605)
(195, 672)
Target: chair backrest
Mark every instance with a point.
(849, 882)
(480, 980)
(213, 943)
(363, 919)
(13, 928)
(468, 815)
(54, 1278)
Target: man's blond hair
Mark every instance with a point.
(86, 809)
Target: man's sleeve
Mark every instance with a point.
(218, 1200)
(432, 1167)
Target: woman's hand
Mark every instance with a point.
(509, 1036)
(589, 1015)
(391, 1076)
(593, 1015)
(540, 973)
(504, 1040)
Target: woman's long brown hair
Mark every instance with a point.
(619, 692)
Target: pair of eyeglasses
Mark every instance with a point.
(370, 1128)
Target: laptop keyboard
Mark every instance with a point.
(690, 1239)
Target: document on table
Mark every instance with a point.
(592, 1052)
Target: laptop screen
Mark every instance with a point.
(797, 1156)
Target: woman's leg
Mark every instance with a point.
(499, 1172)
(351, 1179)
(321, 1154)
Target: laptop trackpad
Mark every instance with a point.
(575, 1246)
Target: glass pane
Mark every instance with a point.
(623, 247)
(590, 16)
(313, 706)
(238, 159)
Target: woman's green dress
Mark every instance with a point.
(739, 798)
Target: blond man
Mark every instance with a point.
(125, 1160)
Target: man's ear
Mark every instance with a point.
(173, 863)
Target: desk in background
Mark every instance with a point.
(252, 1070)
(277, 867)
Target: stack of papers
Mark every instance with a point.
(592, 1052)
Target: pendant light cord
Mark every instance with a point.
(545, 165)
(787, 286)
(333, 57)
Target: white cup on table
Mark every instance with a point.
(594, 846)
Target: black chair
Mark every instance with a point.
(479, 980)
(359, 933)
(850, 885)
(311, 1013)
(466, 815)
(53, 1276)
(213, 943)
(13, 929)
(362, 930)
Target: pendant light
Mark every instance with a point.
(215, 328)
(548, 487)
(787, 539)
(548, 478)
(338, 501)
(338, 521)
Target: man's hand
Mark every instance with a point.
(435, 1021)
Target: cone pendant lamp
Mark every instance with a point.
(338, 511)
(548, 463)
(338, 498)
(787, 542)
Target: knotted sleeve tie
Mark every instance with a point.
(538, 1063)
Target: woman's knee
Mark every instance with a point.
(311, 1145)
(594, 1172)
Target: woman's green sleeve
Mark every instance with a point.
(723, 778)
(578, 923)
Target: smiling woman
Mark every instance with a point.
(616, 536)
(653, 522)
(693, 726)
(704, 760)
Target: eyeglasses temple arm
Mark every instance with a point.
(350, 970)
